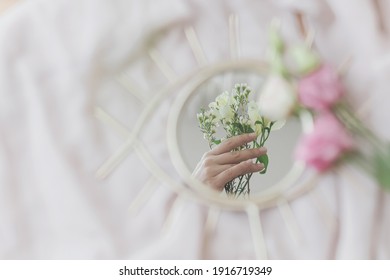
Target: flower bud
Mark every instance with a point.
(277, 99)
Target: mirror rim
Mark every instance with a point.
(266, 198)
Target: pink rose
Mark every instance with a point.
(320, 89)
(325, 144)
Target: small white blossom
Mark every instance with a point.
(213, 105)
(253, 111)
(224, 102)
(215, 112)
(254, 116)
(223, 99)
(278, 125)
(226, 113)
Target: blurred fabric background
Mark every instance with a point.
(59, 59)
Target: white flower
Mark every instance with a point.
(277, 99)
(224, 102)
(215, 112)
(199, 116)
(253, 112)
(278, 124)
(222, 99)
(226, 113)
(254, 116)
(213, 105)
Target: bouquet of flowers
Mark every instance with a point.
(235, 114)
(313, 86)
(304, 84)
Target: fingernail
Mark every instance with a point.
(252, 135)
(263, 149)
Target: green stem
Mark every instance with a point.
(239, 183)
(246, 186)
(344, 113)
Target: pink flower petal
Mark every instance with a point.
(325, 144)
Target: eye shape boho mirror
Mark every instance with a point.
(187, 145)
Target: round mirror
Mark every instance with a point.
(186, 143)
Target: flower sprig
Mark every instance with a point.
(234, 113)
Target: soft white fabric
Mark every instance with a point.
(59, 59)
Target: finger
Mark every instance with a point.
(208, 167)
(232, 143)
(242, 168)
(239, 156)
(213, 171)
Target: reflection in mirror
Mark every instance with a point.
(280, 144)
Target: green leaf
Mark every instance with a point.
(247, 128)
(216, 141)
(275, 39)
(239, 127)
(259, 122)
(306, 59)
(264, 160)
(277, 65)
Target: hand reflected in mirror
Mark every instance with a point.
(222, 164)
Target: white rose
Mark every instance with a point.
(277, 99)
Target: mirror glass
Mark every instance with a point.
(280, 144)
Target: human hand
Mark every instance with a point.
(221, 165)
